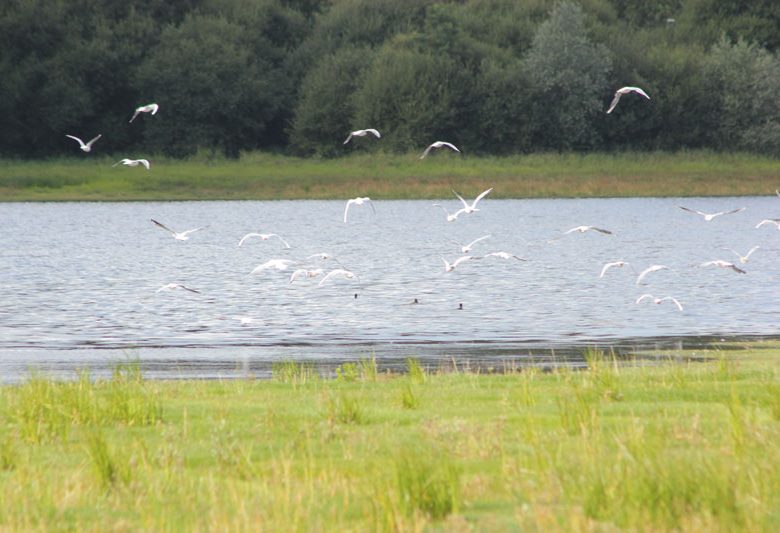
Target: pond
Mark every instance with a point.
(79, 282)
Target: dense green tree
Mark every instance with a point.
(326, 107)
(214, 90)
(744, 80)
(494, 76)
(409, 94)
(569, 74)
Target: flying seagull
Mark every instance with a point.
(150, 108)
(723, 264)
(183, 236)
(84, 147)
(337, 272)
(324, 256)
(451, 216)
(362, 133)
(467, 247)
(775, 221)
(625, 90)
(358, 201)
(278, 264)
(743, 258)
(305, 273)
(439, 144)
(583, 229)
(659, 300)
(450, 267)
(618, 264)
(174, 286)
(710, 216)
(470, 208)
(133, 163)
(262, 237)
(503, 255)
(648, 270)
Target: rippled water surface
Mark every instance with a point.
(78, 281)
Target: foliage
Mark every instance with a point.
(744, 81)
(693, 445)
(569, 75)
(491, 76)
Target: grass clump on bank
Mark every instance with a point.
(664, 446)
(262, 176)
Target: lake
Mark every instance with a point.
(79, 282)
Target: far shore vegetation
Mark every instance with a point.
(672, 441)
(266, 176)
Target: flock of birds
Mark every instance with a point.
(153, 108)
(466, 250)
(466, 208)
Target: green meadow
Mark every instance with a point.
(683, 441)
(264, 176)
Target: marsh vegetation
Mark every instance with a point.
(684, 442)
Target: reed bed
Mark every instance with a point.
(263, 176)
(689, 442)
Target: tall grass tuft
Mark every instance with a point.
(415, 370)
(44, 409)
(604, 372)
(107, 468)
(294, 373)
(345, 409)
(347, 372)
(128, 400)
(409, 400)
(368, 369)
(8, 455)
(428, 482)
(578, 409)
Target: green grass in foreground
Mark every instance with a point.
(260, 176)
(673, 446)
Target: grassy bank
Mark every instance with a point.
(678, 445)
(272, 177)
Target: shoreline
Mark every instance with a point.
(264, 176)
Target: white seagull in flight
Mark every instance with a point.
(450, 267)
(625, 90)
(659, 300)
(648, 270)
(503, 255)
(775, 221)
(306, 273)
(337, 272)
(467, 247)
(133, 163)
(362, 133)
(583, 229)
(183, 236)
(470, 208)
(358, 201)
(606, 267)
(743, 258)
(723, 264)
(439, 144)
(262, 237)
(150, 108)
(710, 216)
(451, 217)
(278, 264)
(85, 147)
(174, 286)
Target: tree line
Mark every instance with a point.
(491, 76)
